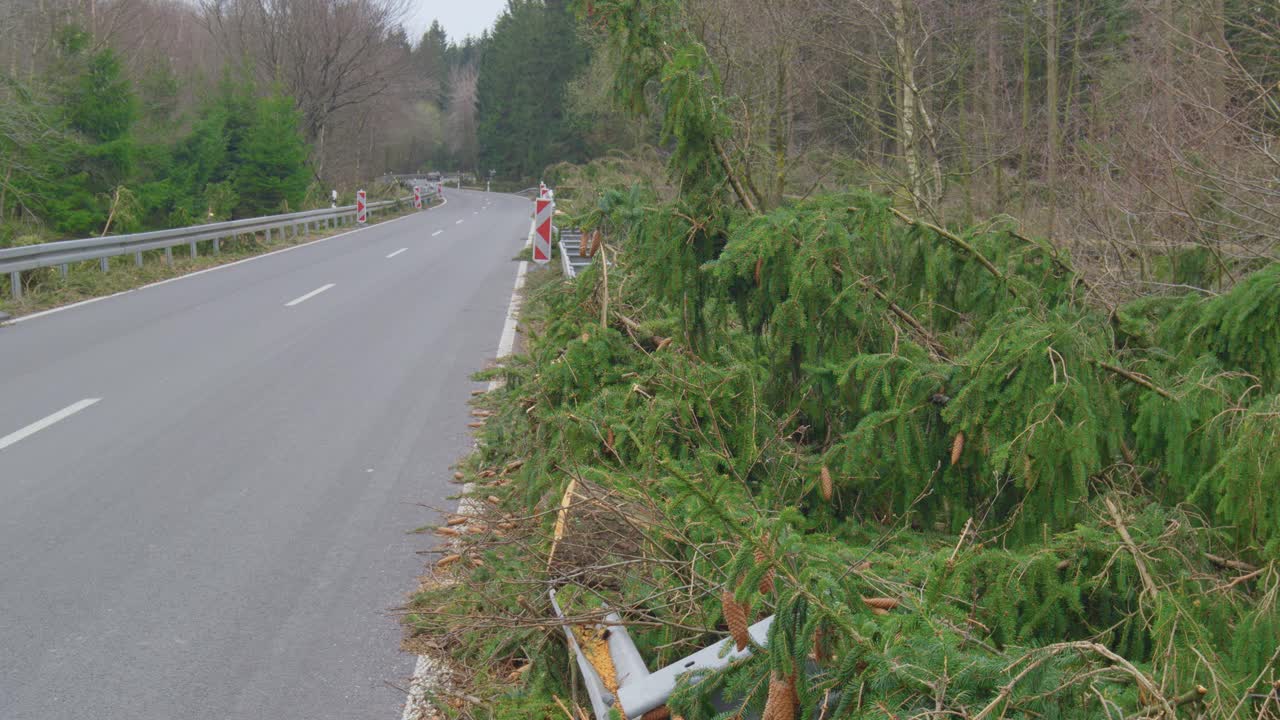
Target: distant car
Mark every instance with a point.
(433, 176)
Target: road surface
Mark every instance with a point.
(205, 486)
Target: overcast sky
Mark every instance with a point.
(460, 18)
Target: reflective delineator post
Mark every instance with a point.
(543, 209)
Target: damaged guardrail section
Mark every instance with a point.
(638, 690)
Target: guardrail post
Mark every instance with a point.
(63, 270)
(168, 256)
(193, 249)
(104, 263)
(15, 279)
(137, 258)
(217, 246)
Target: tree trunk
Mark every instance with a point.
(319, 163)
(781, 130)
(907, 93)
(991, 107)
(1024, 169)
(1051, 107)
(1073, 85)
(876, 130)
(1170, 41)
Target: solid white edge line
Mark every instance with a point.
(309, 295)
(166, 281)
(508, 339)
(39, 425)
(396, 253)
(426, 671)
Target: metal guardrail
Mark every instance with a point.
(572, 259)
(638, 690)
(59, 254)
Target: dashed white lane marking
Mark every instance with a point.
(458, 222)
(427, 672)
(308, 296)
(39, 425)
(396, 253)
(436, 233)
(215, 268)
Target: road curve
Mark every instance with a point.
(205, 485)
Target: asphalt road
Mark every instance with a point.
(222, 534)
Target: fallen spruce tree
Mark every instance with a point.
(1069, 518)
(964, 486)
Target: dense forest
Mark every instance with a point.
(120, 115)
(1142, 135)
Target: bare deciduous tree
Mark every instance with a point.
(330, 55)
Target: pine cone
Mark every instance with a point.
(759, 265)
(957, 447)
(828, 489)
(880, 605)
(735, 616)
(766, 582)
(662, 712)
(781, 704)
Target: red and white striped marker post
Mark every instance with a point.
(417, 197)
(362, 208)
(542, 189)
(440, 189)
(542, 231)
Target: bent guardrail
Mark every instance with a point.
(574, 257)
(13, 261)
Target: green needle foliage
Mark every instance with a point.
(960, 488)
(101, 138)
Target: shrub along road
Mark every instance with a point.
(205, 485)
